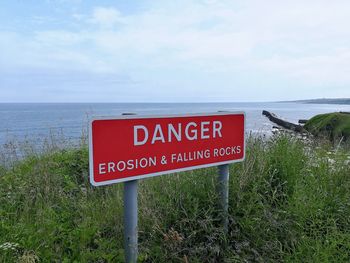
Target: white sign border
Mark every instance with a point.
(135, 116)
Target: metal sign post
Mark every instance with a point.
(129, 148)
(223, 183)
(130, 218)
(130, 221)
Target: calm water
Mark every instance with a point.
(34, 122)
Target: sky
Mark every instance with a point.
(173, 51)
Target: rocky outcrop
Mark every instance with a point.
(282, 123)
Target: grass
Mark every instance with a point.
(289, 202)
(332, 125)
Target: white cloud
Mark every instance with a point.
(331, 69)
(303, 41)
(106, 17)
(58, 38)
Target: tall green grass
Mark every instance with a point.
(289, 202)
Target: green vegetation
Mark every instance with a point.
(289, 202)
(335, 126)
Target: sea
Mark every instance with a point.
(36, 122)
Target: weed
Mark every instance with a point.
(288, 202)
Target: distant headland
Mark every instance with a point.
(343, 101)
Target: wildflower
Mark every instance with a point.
(9, 246)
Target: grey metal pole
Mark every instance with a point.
(223, 193)
(130, 221)
(130, 218)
